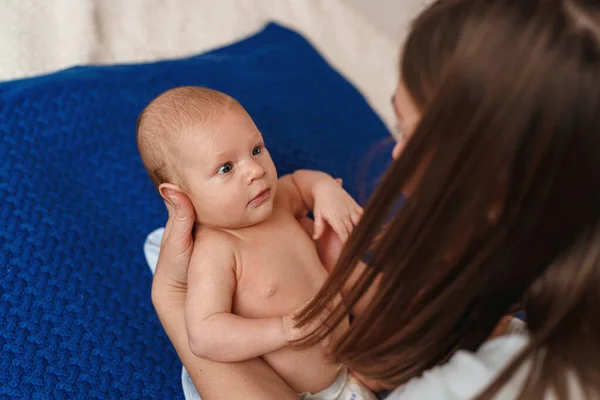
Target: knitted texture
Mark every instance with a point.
(76, 319)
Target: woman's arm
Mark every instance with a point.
(252, 379)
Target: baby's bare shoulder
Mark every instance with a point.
(213, 261)
(214, 245)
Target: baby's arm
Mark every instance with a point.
(307, 182)
(289, 196)
(214, 332)
(329, 202)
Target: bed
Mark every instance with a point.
(76, 320)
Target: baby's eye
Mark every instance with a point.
(257, 151)
(225, 168)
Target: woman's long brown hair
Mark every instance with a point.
(507, 203)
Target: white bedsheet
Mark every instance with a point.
(40, 36)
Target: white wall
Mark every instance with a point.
(393, 17)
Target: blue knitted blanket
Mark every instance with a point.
(76, 319)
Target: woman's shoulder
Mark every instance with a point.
(466, 373)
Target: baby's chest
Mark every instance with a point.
(277, 277)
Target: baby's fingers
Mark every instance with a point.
(319, 226)
(326, 341)
(320, 320)
(349, 225)
(340, 228)
(314, 325)
(355, 215)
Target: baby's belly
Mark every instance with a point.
(305, 370)
(275, 282)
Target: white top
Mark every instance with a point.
(466, 374)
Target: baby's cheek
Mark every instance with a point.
(234, 205)
(271, 168)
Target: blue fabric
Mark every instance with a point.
(76, 319)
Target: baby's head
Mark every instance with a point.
(203, 143)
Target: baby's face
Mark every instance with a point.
(228, 172)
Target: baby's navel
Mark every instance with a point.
(271, 290)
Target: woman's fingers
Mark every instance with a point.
(168, 225)
(181, 219)
(182, 214)
(177, 243)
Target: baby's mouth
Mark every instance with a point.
(260, 198)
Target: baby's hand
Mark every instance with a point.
(333, 205)
(294, 333)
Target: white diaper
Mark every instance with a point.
(345, 387)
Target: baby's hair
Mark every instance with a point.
(163, 120)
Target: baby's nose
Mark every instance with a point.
(255, 171)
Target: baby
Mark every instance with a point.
(253, 265)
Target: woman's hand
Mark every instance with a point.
(252, 379)
(169, 287)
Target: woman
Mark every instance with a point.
(501, 99)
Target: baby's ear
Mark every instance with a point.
(167, 190)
